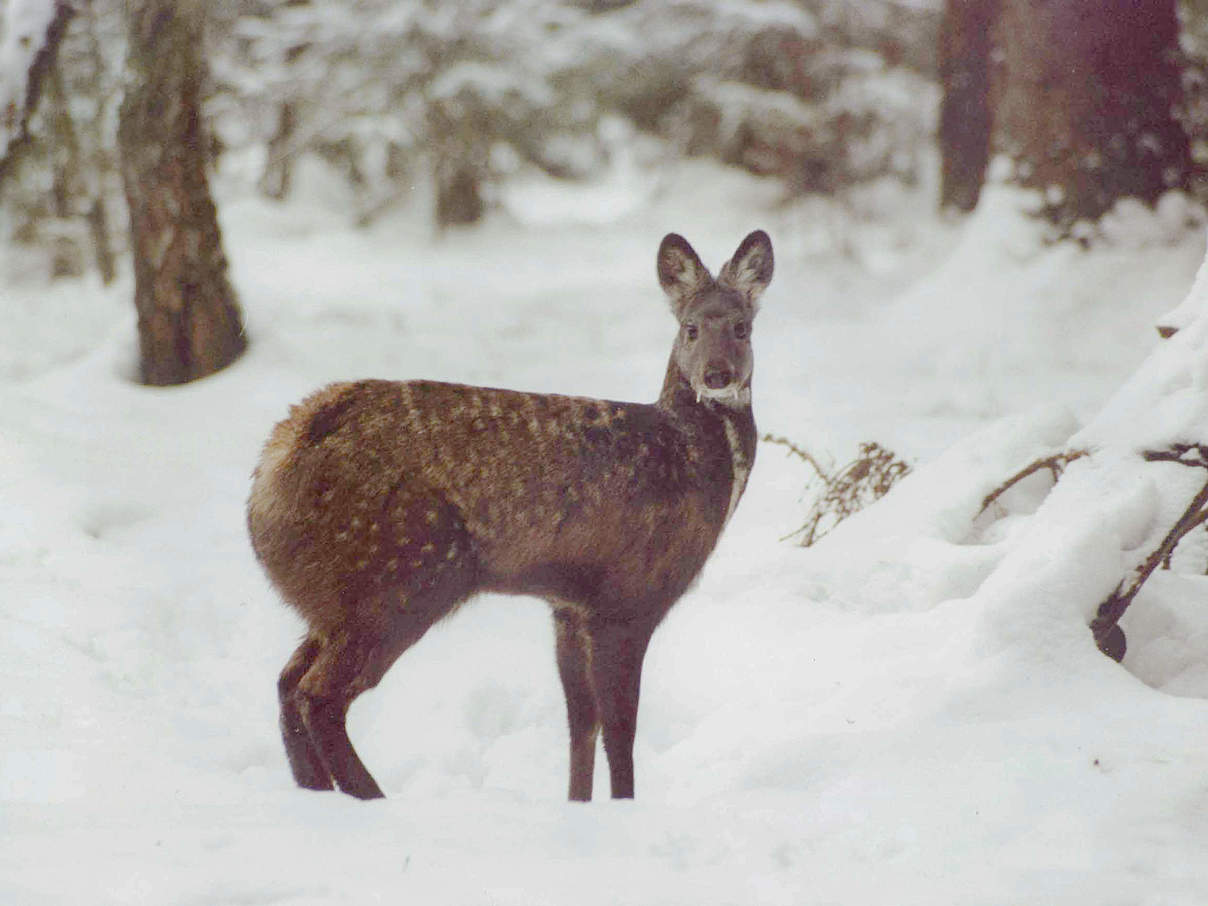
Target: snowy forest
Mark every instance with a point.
(952, 644)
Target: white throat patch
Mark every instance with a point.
(734, 397)
(739, 463)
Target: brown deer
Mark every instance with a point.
(378, 507)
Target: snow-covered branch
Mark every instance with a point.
(1147, 423)
(1055, 464)
(1104, 627)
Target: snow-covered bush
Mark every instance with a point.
(792, 90)
(386, 88)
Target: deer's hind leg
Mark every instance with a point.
(395, 572)
(389, 607)
(354, 660)
(304, 760)
(344, 666)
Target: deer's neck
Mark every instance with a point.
(730, 427)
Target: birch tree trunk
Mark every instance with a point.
(189, 321)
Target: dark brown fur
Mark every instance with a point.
(379, 506)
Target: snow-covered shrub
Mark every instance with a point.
(819, 98)
(792, 90)
(869, 124)
(1193, 109)
(384, 88)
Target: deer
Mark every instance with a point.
(378, 507)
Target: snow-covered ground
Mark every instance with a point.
(910, 712)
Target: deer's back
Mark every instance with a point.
(581, 500)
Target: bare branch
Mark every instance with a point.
(1104, 626)
(1056, 464)
(799, 453)
(1181, 454)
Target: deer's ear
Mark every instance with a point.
(681, 273)
(750, 270)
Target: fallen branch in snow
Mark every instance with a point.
(1056, 464)
(1108, 635)
(864, 480)
(19, 101)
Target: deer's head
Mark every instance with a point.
(713, 349)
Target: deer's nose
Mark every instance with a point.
(718, 378)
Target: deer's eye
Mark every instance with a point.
(742, 330)
(691, 331)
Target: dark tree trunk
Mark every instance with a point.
(102, 247)
(459, 163)
(1087, 102)
(189, 320)
(1082, 99)
(965, 119)
(458, 199)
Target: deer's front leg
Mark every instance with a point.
(582, 715)
(616, 669)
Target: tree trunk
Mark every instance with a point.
(1079, 94)
(189, 320)
(100, 160)
(459, 163)
(279, 166)
(67, 181)
(19, 101)
(458, 198)
(1086, 100)
(965, 120)
(102, 247)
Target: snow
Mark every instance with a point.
(910, 712)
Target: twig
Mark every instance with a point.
(846, 490)
(1056, 464)
(1177, 453)
(799, 453)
